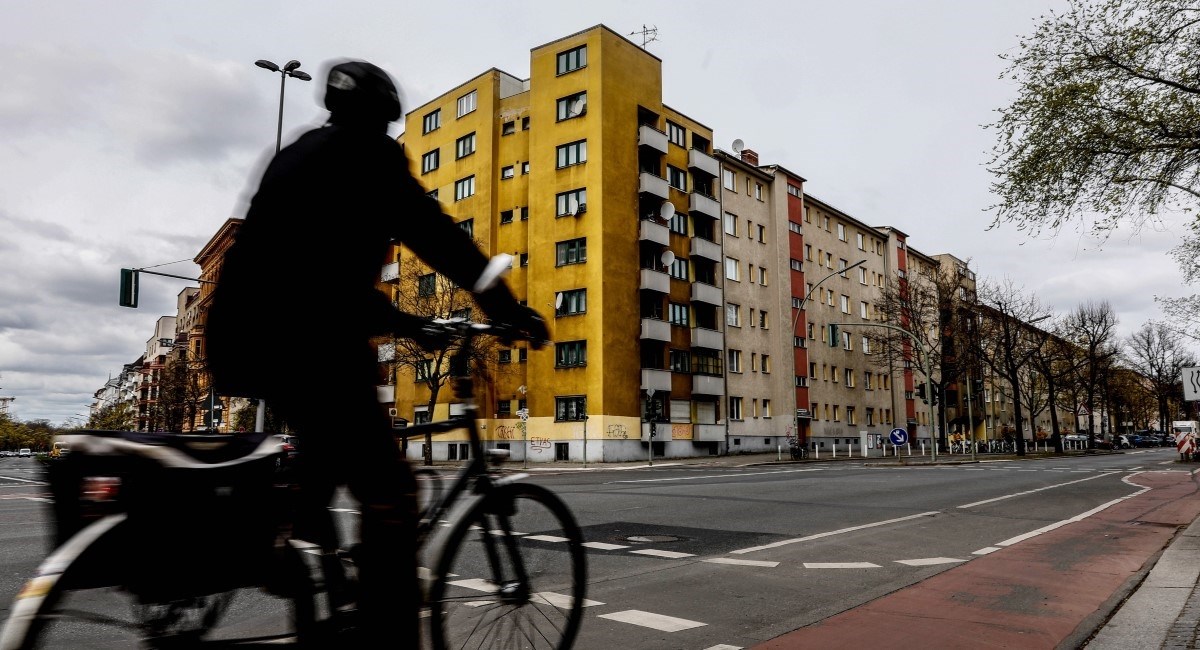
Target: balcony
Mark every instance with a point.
(708, 432)
(652, 138)
(700, 247)
(390, 272)
(707, 385)
(655, 232)
(655, 281)
(385, 394)
(656, 330)
(706, 205)
(706, 293)
(705, 338)
(654, 186)
(698, 161)
(657, 380)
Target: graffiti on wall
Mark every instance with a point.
(538, 445)
(617, 431)
(681, 432)
(505, 432)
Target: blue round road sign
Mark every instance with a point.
(899, 437)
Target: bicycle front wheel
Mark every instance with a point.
(512, 574)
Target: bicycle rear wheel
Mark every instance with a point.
(78, 601)
(512, 574)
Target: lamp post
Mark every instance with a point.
(289, 69)
(799, 310)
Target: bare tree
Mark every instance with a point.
(1008, 339)
(1057, 361)
(1157, 352)
(1093, 327)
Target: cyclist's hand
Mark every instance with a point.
(503, 308)
(531, 324)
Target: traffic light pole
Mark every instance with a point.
(925, 364)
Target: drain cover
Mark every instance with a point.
(653, 539)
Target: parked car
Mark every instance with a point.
(25, 452)
(291, 450)
(1100, 443)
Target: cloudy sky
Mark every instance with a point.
(130, 131)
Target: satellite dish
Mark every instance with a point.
(738, 145)
(558, 298)
(577, 107)
(668, 258)
(667, 210)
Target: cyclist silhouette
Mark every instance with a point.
(296, 305)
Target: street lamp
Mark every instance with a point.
(799, 310)
(290, 69)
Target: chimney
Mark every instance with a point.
(750, 157)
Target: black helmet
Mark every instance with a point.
(361, 91)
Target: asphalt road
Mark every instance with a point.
(741, 554)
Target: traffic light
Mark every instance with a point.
(977, 386)
(129, 288)
(937, 393)
(921, 392)
(833, 335)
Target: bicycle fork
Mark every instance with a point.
(514, 587)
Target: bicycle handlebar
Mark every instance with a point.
(446, 330)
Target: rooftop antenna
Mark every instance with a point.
(649, 35)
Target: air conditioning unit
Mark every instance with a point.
(392, 412)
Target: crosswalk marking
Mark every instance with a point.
(841, 565)
(547, 538)
(478, 584)
(653, 621)
(605, 546)
(561, 601)
(736, 561)
(657, 553)
(930, 561)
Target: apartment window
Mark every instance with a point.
(825, 222)
(508, 128)
(506, 216)
(828, 260)
(571, 203)
(572, 153)
(572, 251)
(870, 417)
(762, 233)
(677, 314)
(677, 178)
(735, 408)
(732, 269)
(525, 213)
(431, 161)
(733, 360)
(432, 121)
(573, 302)
(762, 276)
(851, 415)
(464, 187)
(522, 357)
(868, 380)
(466, 103)
(846, 341)
(862, 309)
(676, 133)
(797, 265)
(572, 59)
(730, 221)
(841, 230)
(433, 194)
(733, 315)
(837, 413)
(525, 167)
(849, 378)
(807, 214)
(570, 354)
(524, 123)
(859, 237)
(842, 267)
(465, 145)
(505, 356)
(426, 285)
(762, 320)
(462, 314)
(468, 226)
(424, 370)
(507, 172)
(829, 297)
(845, 300)
(866, 345)
(862, 275)
(727, 179)
(765, 360)
(678, 223)
(833, 374)
(766, 408)
(570, 409)
(679, 361)
(758, 191)
(679, 268)
(572, 106)
(524, 259)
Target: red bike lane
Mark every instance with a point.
(1050, 590)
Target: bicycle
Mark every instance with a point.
(504, 561)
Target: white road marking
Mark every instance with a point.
(23, 480)
(605, 546)
(693, 478)
(725, 646)
(658, 622)
(731, 560)
(841, 565)
(657, 553)
(1048, 487)
(478, 584)
(831, 533)
(986, 550)
(547, 538)
(561, 601)
(930, 561)
(500, 533)
(1059, 524)
(349, 510)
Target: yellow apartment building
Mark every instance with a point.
(607, 200)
